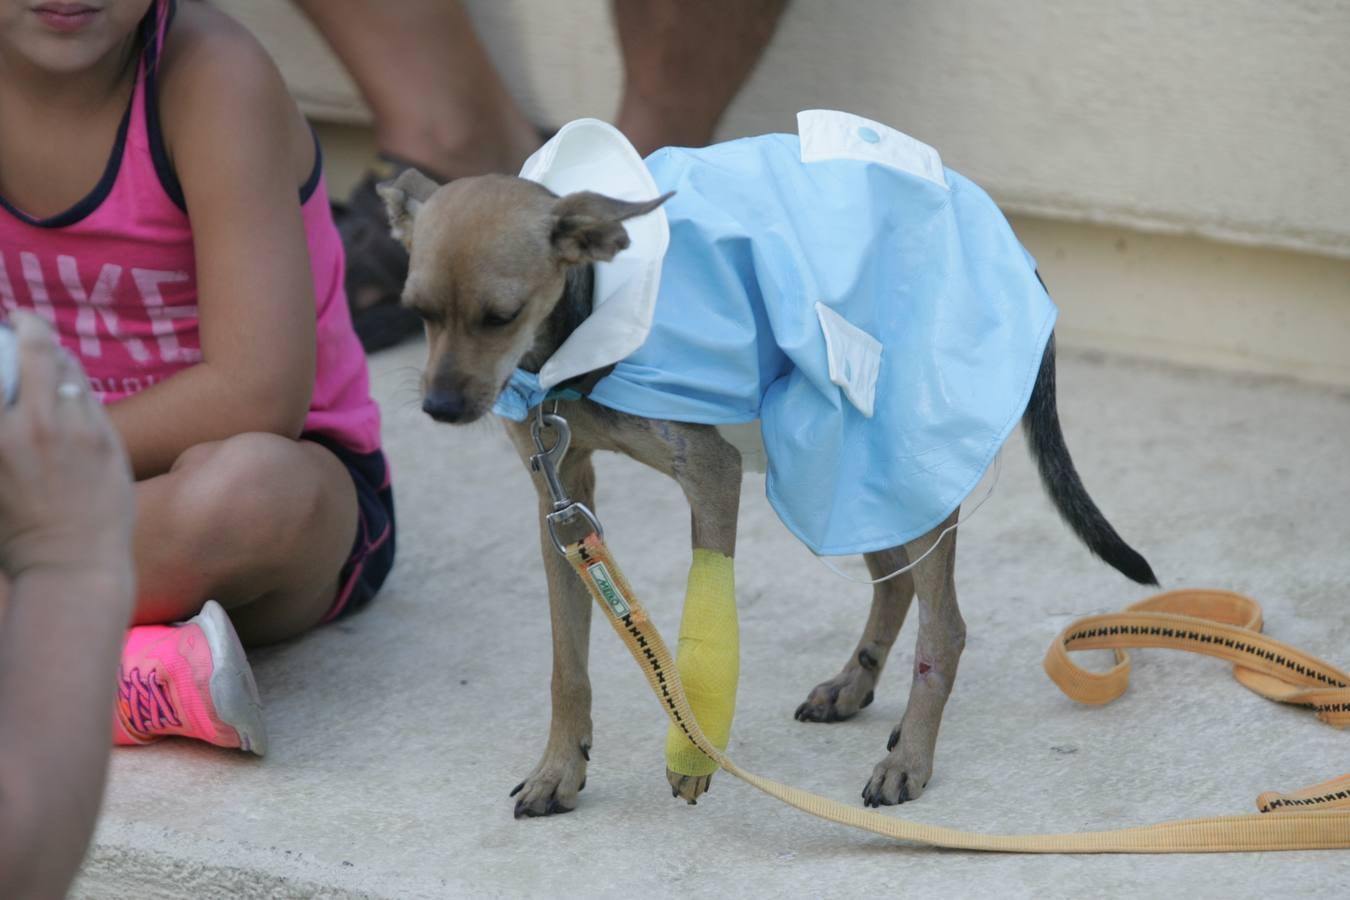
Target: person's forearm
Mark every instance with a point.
(203, 404)
(60, 640)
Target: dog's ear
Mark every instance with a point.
(588, 227)
(403, 199)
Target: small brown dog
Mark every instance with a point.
(500, 273)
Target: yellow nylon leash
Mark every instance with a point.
(1211, 622)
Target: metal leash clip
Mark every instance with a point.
(565, 510)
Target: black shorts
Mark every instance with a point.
(372, 554)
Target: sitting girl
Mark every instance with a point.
(163, 208)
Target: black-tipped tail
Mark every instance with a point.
(1062, 483)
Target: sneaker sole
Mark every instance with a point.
(233, 690)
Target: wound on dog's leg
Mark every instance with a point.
(708, 658)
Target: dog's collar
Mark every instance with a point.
(590, 155)
(523, 393)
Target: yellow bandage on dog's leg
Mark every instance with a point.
(708, 658)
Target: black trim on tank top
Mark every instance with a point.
(312, 182)
(91, 201)
(168, 178)
(154, 136)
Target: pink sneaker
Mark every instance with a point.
(192, 680)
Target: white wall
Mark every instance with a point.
(1224, 118)
(1228, 119)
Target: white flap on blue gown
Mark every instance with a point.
(936, 322)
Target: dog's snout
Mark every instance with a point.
(444, 406)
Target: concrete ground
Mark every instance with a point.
(396, 734)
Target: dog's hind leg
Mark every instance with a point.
(843, 695)
(553, 785)
(904, 773)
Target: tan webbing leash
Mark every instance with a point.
(1211, 622)
(1215, 623)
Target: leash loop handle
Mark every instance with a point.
(1214, 623)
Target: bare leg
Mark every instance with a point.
(684, 61)
(436, 99)
(843, 695)
(904, 773)
(561, 774)
(258, 522)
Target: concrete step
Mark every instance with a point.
(396, 734)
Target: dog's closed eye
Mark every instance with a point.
(429, 316)
(496, 319)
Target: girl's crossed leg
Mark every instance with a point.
(261, 525)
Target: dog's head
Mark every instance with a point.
(488, 260)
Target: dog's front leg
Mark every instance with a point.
(708, 468)
(553, 785)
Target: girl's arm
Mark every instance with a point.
(59, 646)
(240, 150)
(66, 592)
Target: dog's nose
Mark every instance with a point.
(444, 406)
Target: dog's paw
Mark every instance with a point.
(553, 786)
(896, 779)
(688, 787)
(839, 698)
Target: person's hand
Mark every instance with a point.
(66, 496)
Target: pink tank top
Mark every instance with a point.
(116, 277)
